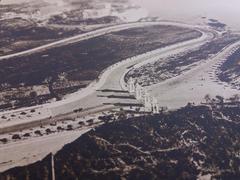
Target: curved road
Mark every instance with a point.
(112, 76)
(85, 36)
(110, 79)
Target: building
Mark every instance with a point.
(155, 106)
(139, 92)
(131, 85)
(142, 95)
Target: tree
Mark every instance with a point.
(38, 132)
(49, 81)
(16, 137)
(235, 98)
(48, 131)
(220, 100)
(207, 99)
(138, 109)
(33, 94)
(4, 140)
(69, 127)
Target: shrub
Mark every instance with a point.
(26, 135)
(48, 131)
(59, 128)
(23, 113)
(16, 136)
(33, 111)
(81, 123)
(69, 127)
(38, 132)
(4, 140)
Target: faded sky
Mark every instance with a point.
(224, 10)
(227, 11)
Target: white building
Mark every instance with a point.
(139, 92)
(147, 101)
(155, 106)
(142, 94)
(131, 85)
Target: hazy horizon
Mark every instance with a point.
(193, 10)
(189, 11)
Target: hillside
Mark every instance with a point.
(185, 144)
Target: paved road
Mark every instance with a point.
(29, 151)
(110, 79)
(193, 85)
(35, 149)
(82, 37)
(112, 76)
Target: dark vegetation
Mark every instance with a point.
(42, 172)
(176, 64)
(73, 20)
(183, 144)
(230, 70)
(20, 34)
(82, 62)
(216, 24)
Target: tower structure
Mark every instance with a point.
(131, 85)
(139, 92)
(147, 101)
(155, 106)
